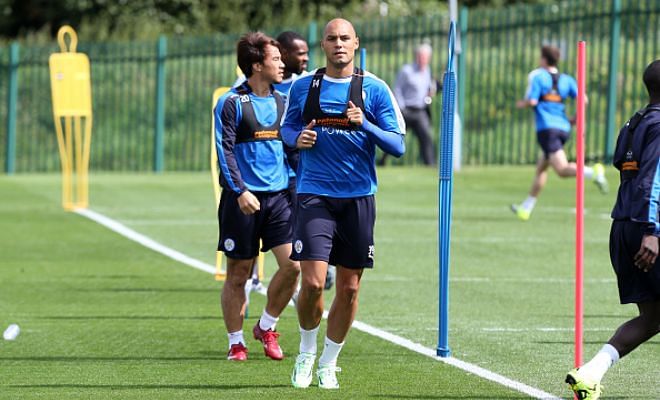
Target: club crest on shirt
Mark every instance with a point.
(298, 246)
(229, 244)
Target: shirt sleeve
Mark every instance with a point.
(535, 88)
(572, 89)
(388, 127)
(292, 123)
(646, 199)
(225, 118)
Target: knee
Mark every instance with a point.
(290, 268)
(238, 274)
(312, 288)
(348, 291)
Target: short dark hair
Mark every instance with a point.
(652, 79)
(287, 38)
(251, 48)
(550, 54)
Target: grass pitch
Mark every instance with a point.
(103, 317)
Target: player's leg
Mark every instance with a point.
(524, 209)
(566, 169)
(313, 240)
(281, 288)
(240, 244)
(232, 301)
(310, 312)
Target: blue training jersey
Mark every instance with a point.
(342, 162)
(550, 115)
(255, 165)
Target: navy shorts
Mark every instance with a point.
(635, 285)
(240, 233)
(338, 231)
(551, 140)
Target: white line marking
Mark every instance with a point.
(361, 326)
(144, 240)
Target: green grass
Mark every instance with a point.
(102, 317)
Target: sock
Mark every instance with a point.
(236, 338)
(308, 340)
(330, 352)
(267, 321)
(529, 203)
(589, 173)
(602, 361)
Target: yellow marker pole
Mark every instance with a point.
(72, 102)
(220, 273)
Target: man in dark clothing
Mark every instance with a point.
(633, 239)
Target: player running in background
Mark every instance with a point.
(547, 91)
(336, 116)
(255, 203)
(633, 239)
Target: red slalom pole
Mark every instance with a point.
(579, 202)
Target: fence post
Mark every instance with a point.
(159, 147)
(463, 29)
(12, 100)
(312, 40)
(615, 30)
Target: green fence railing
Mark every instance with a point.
(151, 100)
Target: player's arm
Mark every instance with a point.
(646, 202)
(225, 115)
(533, 92)
(388, 129)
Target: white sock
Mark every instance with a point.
(529, 203)
(602, 361)
(236, 338)
(308, 340)
(267, 321)
(589, 172)
(330, 352)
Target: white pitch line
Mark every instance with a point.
(361, 326)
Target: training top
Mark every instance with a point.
(342, 162)
(637, 157)
(250, 159)
(550, 114)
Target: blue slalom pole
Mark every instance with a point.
(446, 181)
(363, 59)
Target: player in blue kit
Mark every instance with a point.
(633, 239)
(255, 203)
(336, 116)
(546, 94)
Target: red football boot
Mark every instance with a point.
(237, 352)
(269, 339)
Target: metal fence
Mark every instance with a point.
(151, 100)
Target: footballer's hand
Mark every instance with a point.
(648, 253)
(248, 203)
(354, 114)
(521, 103)
(307, 137)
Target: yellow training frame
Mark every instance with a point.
(220, 273)
(71, 90)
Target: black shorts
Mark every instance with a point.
(338, 231)
(635, 285)
(240, 233)
(551, 140)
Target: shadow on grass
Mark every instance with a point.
(155, 387)
(121, 317)
(76, 359)
(150, 290)
(443, 397)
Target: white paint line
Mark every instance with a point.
(361, 326)
(144, 240)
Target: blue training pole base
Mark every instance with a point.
(443, 352)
